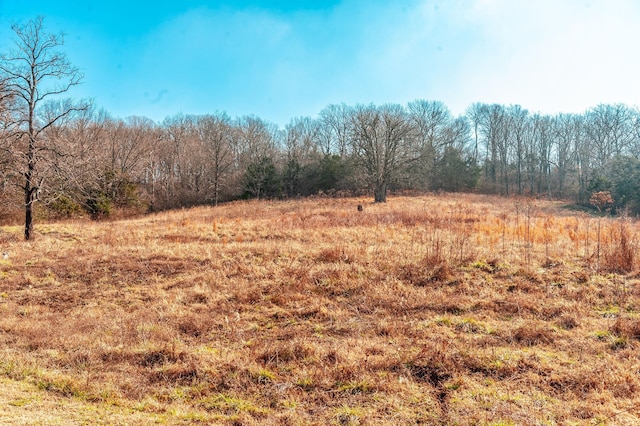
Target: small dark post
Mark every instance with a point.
(360, 208)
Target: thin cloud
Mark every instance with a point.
(159, 96)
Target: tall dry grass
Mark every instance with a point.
(443, 309)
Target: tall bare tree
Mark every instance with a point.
(610, 130)
(302, 140)
(35, 71)
(215, 133)
(380, 137)
(567, 131)
(7, 169)
(520, 125)
(431, 120)
(475, 114)
(76, 156)
(334, 130)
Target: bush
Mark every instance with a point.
(627, 328)
(64, 206)
(619, 255)
(621, 177)
(98, 206)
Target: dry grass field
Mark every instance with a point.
(448, 309)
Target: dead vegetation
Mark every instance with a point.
(434, 310)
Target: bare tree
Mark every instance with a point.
(35, 71)
(543, 131)
(301, 142)
(567, 129)
(610, 130)
(256, 144)
(77, 156)
(334, 130)
(215, 132)
(432, 122)
(5, 100)
(380, 137)
(475, 115)
(7, 163)
(301, 139)
(491, 124)
(520, 125)
(430, 118)
(174, 153)
(256, 138)
(634, 149)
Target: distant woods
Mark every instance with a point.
(80, 160)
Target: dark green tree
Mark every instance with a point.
(330, 173)
(292, 178)
(452, 172)
(623, 173)
(261, 179)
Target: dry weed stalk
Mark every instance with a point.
(601, 200)
(619, 251)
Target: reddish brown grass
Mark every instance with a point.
(434, 310)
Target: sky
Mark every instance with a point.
(284, 59)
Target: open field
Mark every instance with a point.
(452, 309)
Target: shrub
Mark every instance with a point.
(620, 254)
(64, 206)
(98, 206)
(627, 328)
(532, 334)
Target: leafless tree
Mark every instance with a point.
(610, 130)
(380, 138)
(35, 71)
(475, 115)
(77, 155)
(543, 139)
(302, 142)
(334, 130)
(255, 139)
(215, 132)
(301, 138)
(432, 122)
(492, 126)
(6, 99)
(567, 133)
(519, 124)
(635, 146)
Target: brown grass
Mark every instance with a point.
(433, 310)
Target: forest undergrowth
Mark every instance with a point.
(439, 309)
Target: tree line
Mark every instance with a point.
(75, 158)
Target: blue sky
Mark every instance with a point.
(283, 59)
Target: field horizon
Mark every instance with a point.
(433, 309)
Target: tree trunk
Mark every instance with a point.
(380, 192)
(216, 191)
(28, 204)
(28, 222)
(31, 167)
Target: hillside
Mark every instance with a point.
(448, 309)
